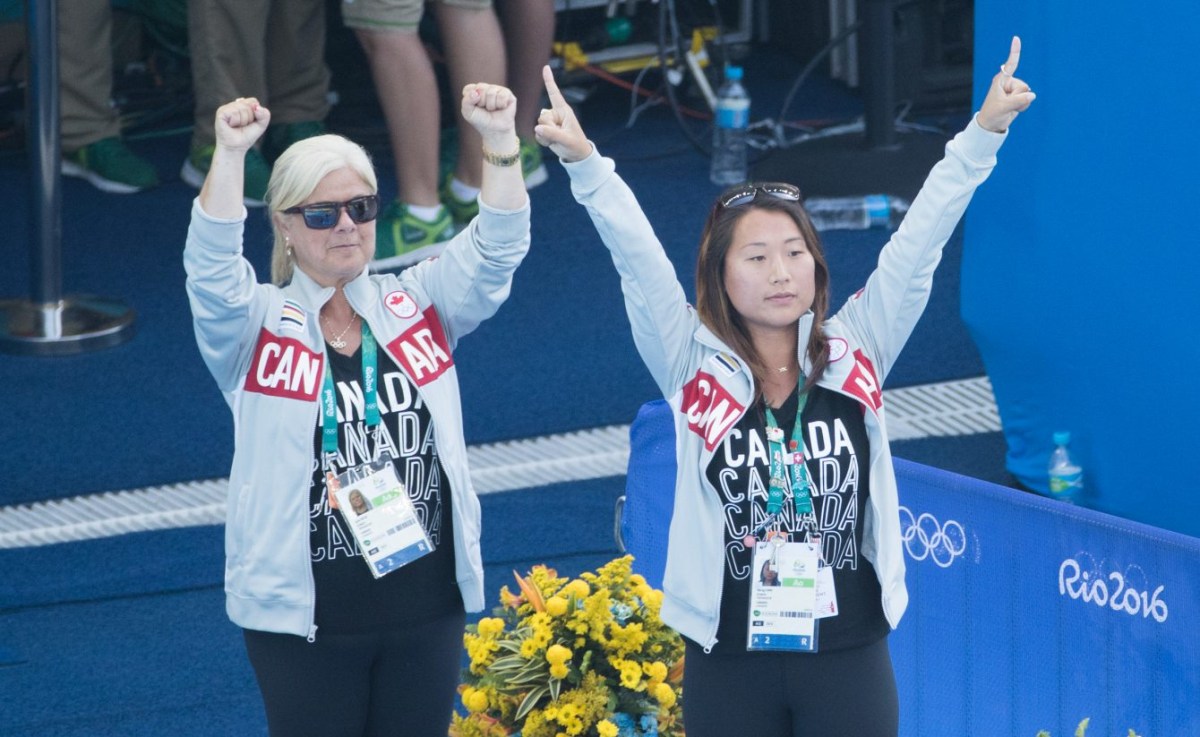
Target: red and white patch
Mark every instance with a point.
(837, 349)
(711, 410)
(423, 350)
(401, 305)
(863, 383)
(284, 367)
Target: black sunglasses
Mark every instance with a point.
(746, 193)
(324, 215)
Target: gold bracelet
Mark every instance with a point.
(496, 159)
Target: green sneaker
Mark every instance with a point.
(402, 238)
(257, 173)
(110, 166)
(279, 137)
(532, 167)
(461, 210)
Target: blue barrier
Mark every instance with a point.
(1025, 614)
(649, 490)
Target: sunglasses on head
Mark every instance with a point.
(325, 215)
(745, 194)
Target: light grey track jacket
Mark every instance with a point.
(263, 345)
(709, 388)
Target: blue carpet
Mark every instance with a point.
(128, 635)
(148, 665)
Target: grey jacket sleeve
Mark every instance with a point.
(228, 304)
(885, 312)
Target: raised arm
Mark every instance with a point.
(886, 310)
(473, 276)
(221, 285)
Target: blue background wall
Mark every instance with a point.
(1081, 263)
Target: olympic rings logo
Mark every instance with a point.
(925, 537)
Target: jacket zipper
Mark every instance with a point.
(312, 581)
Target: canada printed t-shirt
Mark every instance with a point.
(349, 598)
(837, 456)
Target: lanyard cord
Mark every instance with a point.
(329, 434)
(784, 457)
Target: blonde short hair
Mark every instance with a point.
(296, 173)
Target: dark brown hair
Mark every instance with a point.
(712, 301)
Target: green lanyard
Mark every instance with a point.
(782, 458)
(329, 434)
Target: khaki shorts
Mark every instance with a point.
(388, 15)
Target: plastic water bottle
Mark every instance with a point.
(856, 213)
(1066, 478)
(729, 132)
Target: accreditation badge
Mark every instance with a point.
(381, 516)
(783, 596)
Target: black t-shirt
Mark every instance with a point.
(838, 461)
(349, 598)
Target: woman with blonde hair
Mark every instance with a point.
(332, 371)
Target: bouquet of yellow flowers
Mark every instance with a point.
(561, 658)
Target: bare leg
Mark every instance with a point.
(474, 53)
(408, 94)
(528, 38)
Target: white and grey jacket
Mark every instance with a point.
(263, 345)
(709, 388)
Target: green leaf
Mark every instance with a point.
(555, 687)
(1082, 728)
(526, 678)
(509, 662)
(530, 701)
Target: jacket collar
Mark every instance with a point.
(804, 330)
(303, 289)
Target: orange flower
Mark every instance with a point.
(675, 675)
(509, 600)
(530, 591)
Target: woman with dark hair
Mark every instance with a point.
(768, 575)
(780, 432)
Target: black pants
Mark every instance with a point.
(845, 692)
(400, 682)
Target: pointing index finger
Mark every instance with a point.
(1014, 56)
(557, 102)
